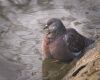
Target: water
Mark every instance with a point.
(21, 24)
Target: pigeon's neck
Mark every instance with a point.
(53, 36)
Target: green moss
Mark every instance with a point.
(55, 71)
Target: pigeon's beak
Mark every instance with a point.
(46, 26)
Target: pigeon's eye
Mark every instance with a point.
(52, 27)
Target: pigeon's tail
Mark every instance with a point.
(88, 42)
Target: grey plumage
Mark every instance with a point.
(63, 44)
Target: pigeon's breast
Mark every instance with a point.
(58, 49)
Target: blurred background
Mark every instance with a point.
(21, 24)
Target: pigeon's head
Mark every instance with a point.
(54, 25)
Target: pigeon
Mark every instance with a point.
(62, 44)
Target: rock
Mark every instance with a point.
(88, 67)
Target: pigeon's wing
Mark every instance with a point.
(74, 41)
